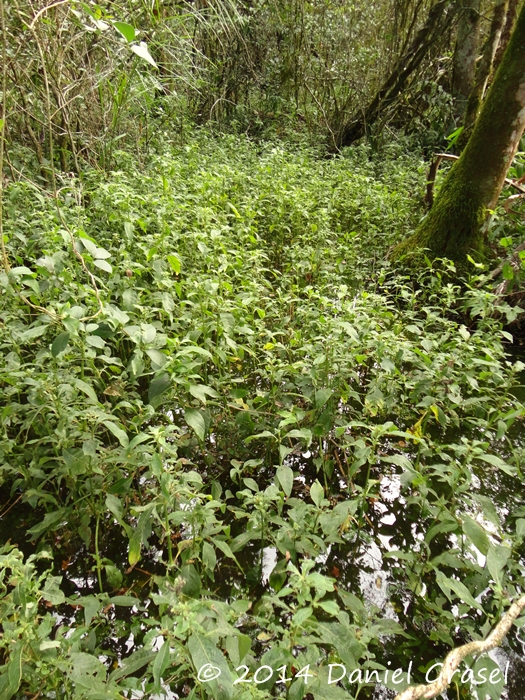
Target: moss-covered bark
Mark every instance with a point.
(453, 226)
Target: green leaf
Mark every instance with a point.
(302, 615)
(209, 558)
(87, 670)
(133, 663)
(117, 432)
(205, 655)
(90, 246)
(125, 601)
(160, 664)
(195, 420)
(461, 591)
(199, 391)
(32, 333)
(399, 554)
(507, 271)
(244, 645)
(482, 670)
(264, 434)
(520, 527)
(91, 605)
(158, 386)
(192, 587)
(95, 341)
(497, 558)
(102, 253)
(251, 484)
(330, 607)
(103, 265)
(497, 462)
(167, 303)
(476, 534)
(322, 396)
(489, 510)
(242, 540)
(343, 639)
(285, 477)
(114, 506)
(52, 591)
(400, 461)
(127, 31)
(59, 344)
(14, 672)
(316, 493)
(87, 389)
(158, 358)
(303, 433)
(174, 262)
(139, 532)
(352, 603)
(116, 314)
(225, 549)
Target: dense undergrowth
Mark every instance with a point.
(231, 435)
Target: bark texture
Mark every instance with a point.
(484, 71)
(453, 227)
(510, 20)
(465, 53)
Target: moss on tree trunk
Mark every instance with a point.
(453, 227)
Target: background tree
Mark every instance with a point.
(438, 21)
(484, 70)
(454, 226)
(465, 53)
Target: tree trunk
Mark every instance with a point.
(510, 20)
(483, 71)
(438, 21)
(465, 54)
(453, 227)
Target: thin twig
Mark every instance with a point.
(44, 10)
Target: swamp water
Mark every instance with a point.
(359, 568)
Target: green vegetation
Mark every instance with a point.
(244, 448)
(208, 372)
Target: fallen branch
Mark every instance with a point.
(456, 656)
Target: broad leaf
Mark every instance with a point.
(59, 344)
(195, 420)
(127, 31)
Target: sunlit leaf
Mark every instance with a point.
(127, 30)
(142, 51)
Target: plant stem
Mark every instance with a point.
(97, 555)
